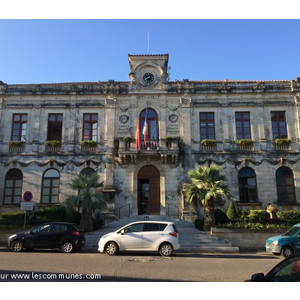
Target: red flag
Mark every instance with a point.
(138, 136)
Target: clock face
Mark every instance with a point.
(148, 77)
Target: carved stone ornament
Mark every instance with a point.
(173, 118)
(123, 119)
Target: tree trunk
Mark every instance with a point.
(209, 214)
(86, 222)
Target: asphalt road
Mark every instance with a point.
(52, 266)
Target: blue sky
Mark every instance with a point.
(83, 50)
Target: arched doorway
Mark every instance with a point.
(148, 190)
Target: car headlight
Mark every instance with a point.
(275, 243)
(12, 236)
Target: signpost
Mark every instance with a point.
(27, 204)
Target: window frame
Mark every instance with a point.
(13, 188)
(275, 119)
(20, 135)
(55, 123)
(92, 136)
(285, 186)
(206, 127)
(152, 122)
(243, 186)
(51, 187)
(243, 119)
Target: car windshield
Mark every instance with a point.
(292, 231)
(286, 271)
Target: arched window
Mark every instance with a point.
(88, 171)
(152, 125)
(285, 185)
(50, 187)
(247, 185)
(13, 187)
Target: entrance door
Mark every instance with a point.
(148, 190)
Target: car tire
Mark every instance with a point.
(16, 246)
(165, 249)
(111, 248)
(287, 251)
(67, 247)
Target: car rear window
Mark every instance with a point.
(175, 228)
(162, 226)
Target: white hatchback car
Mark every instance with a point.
(161, 237)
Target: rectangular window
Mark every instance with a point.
(242, 124)
(90, 127)
(19, 127)
(278, 124)
(207, 126)
(54, 127)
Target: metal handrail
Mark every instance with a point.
(118, 209)
(168, 209)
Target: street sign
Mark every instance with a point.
(26, 206)
(27, 196)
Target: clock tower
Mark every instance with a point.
(148, 71)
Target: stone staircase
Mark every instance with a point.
(191, 239)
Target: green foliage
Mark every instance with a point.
(88, 143)
(282, 141)
(232, 213)
(208, 142)
(207, 183)
(88, 199)
(12, 216)
(257, 216)
(288, 215)
(48, 214)
(16, 143)
(253, 226)
(244, 142)
(52, 143)
(220, 216)
(51, 213)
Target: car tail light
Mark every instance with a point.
(173, 234)
(75, 233)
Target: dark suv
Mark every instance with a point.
(54, 235)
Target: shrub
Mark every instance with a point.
(199, 224)
(13, 216)
(257, 216)
(288, 215)
(220, 217)
(52, 213)
(232, 213)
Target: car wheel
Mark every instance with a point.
(67, 247)
(16, 246)
(287, 251)
(111, 248)
(165, 249)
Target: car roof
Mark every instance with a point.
(155, 222)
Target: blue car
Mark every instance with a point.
(285, 244)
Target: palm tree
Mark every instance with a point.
(89, 198)
(207, 186)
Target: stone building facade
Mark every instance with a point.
(250, 128)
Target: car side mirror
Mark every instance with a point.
(258, 277)
(122, 231)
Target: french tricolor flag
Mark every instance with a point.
(145, 129)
